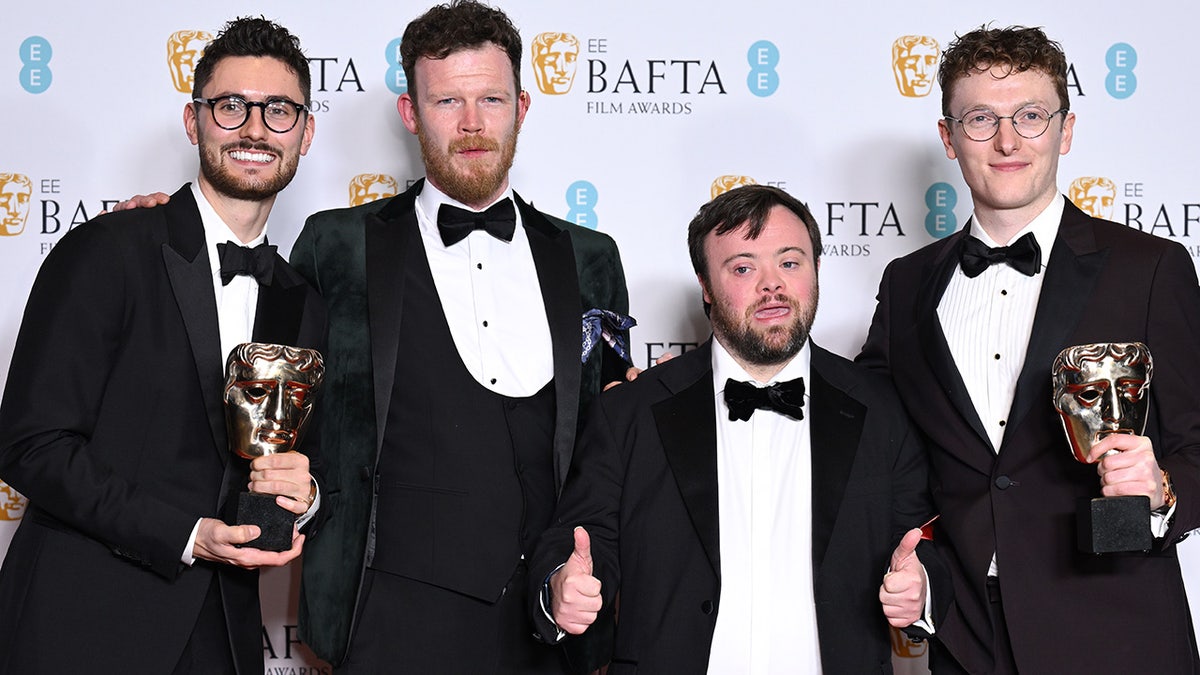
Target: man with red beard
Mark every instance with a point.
(455, 358)
(744, 498)
(111, 422)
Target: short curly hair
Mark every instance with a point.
(1016, 48)
(254, 36)
(457, 26)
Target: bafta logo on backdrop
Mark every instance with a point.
(15, 192)
(184, 48)
(369, 187)
(555, 57)
(12, 503)
(914, 63)
(1094, 195)
(726, 183)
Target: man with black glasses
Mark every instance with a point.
(969, 328)
(112, 423)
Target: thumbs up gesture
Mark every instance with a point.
(904, 586)
(574, 592)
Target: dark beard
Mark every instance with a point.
(738, 336)
(474, 187)
(253, 190)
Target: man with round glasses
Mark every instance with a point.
(112, 423)
(969, 327)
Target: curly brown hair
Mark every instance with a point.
(456, 26)
(1015, 48)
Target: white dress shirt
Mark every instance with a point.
(767, 622)
(492, 301)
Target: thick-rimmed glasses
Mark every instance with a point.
(231, 112)
(982, 124)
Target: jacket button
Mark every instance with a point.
(1003, 482)
(706, 607)
(365, 473)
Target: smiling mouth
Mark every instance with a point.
(252, 156)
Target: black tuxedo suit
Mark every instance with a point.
(357, 258)
(112, 424)
(644, 485)
(1104, 283)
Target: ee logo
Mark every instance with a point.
(35, 73)
(941, 200)
(763, 58)
(1121, 81)
(394, 77)
(581, 198)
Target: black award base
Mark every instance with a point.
(1114, 524)
(275, 522)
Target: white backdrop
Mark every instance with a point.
(668, 99)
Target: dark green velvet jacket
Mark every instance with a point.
(352, 257)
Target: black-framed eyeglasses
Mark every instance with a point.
(983, 124)
(231, 112)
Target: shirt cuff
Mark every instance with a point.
(1161, 522)
(544, 600)
(312, 509)
(187, 558)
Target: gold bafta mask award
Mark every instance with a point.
(269, 395)
(1102, 389)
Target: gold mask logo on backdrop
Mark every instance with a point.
(12, 504)
(555, 58)
(914, 63)
(726, 183)
(369, 187)
(16, 190)
(1094, 195)
(184, 48)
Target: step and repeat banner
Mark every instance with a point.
(641, 113)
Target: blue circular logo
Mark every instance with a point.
(941, 198)
(394, 77)
(581, 201)
(763, 57)
(35, 72)
(1121, 81)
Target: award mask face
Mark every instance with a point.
(1102, 389)
(269, 396)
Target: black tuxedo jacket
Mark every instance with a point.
(644, 485)
(113, 426)
(1104, 283)
(354, 257)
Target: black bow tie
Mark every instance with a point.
(1023, 255)
(785, 398)
(455, 224)
(257, 262)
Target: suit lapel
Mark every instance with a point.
(554, 258)
(687, 427)
(934, 344)
(1072, 271)
(837, 425)
(190, 273)
(392, 238)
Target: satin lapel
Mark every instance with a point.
(554, 258)
(1072, 271)
(837, 426)
(279, 311)
(933, 339)
(190, 273)
(392, 237)
(687, 428)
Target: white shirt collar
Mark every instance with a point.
(216, 231)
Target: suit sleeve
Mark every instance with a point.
(1173, 335)
(591, 498)
(875, 350)
(69, 340)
